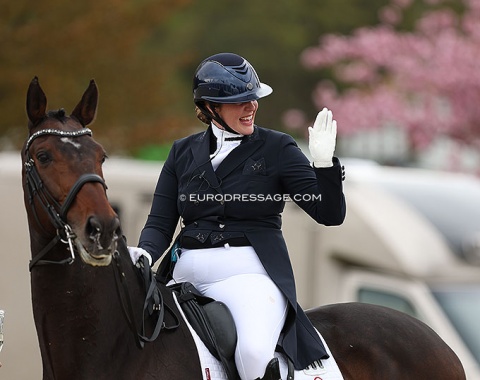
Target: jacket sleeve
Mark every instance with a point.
(318, 191)
(157, 234)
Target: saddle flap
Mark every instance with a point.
(223, 326)
(213, 322)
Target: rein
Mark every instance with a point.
(56, 212)
(153, 303)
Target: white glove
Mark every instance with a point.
(321, 140)
(136, 253)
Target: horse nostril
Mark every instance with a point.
(103, 234)
(94, 229)
(116, 228)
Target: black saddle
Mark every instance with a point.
(213, 323)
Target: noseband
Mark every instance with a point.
(58, 216)
(56, 212)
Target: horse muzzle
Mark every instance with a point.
(98, 242)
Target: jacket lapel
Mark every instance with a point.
(201, 155)
(240, 154)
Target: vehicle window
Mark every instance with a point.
(458, 218)
(462, 306)
(383, 298)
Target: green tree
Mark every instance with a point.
(67, 43)
(143, 53)
(271, 35)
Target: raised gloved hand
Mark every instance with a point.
(321, 139)
(136, 253)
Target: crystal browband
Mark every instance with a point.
(57, 132)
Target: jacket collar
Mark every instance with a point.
(201, 154)
(239, 155)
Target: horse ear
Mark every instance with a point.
(87, 107)
(36, 102)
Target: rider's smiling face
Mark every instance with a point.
(238, 116)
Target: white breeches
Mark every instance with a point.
(236, 277)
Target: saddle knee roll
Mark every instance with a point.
(223, 326)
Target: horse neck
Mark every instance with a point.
(79, 319)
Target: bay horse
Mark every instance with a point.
(89, 313)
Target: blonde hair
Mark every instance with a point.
(202, 114)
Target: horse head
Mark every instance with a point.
(64, 189)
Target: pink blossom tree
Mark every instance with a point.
(426, 80)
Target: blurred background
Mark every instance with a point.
(400, 76)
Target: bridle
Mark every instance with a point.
(57, 213)
(58, 216)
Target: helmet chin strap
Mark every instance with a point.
(215, 116)
(218, 119)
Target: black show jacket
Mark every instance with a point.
(245, 196)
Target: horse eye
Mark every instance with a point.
(43, 157)
(104, 158)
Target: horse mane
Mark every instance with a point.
(55, 114)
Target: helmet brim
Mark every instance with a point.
(261, 92)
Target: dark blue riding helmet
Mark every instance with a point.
(227, 78)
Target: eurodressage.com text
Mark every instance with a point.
(250, 197)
